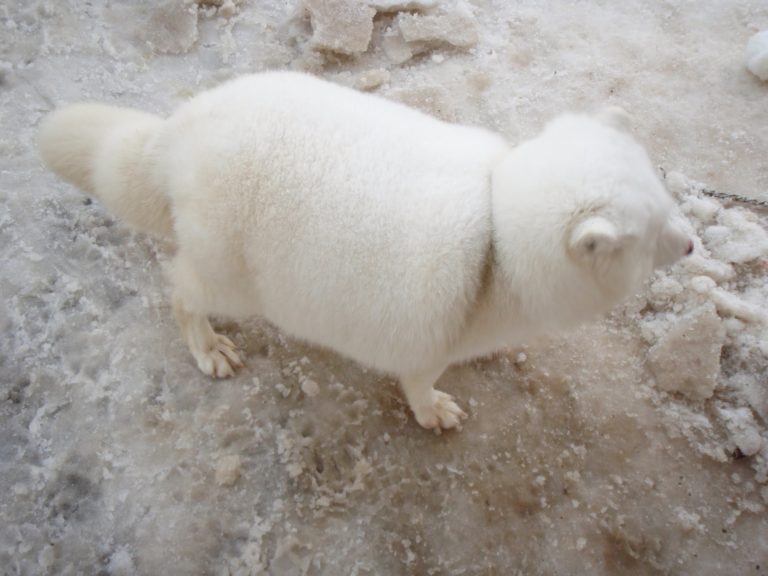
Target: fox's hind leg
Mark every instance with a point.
(215, 353)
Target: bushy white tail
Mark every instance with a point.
(106, 151)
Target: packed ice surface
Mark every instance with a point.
(757, 55)
(594, 452)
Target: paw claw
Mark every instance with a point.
(442, 414)
(220, 360)
(227, 348)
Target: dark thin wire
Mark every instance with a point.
(734, 197)
(725, 195)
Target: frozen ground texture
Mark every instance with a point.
(636, 445)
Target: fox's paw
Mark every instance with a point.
(442, 414)
(220, 360)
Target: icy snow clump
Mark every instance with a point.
(757, 55)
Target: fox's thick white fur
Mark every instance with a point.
(104, 151)
(359, 224)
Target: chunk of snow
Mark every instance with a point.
(677, 183)
(757, 55)
(689, 521)
(396, 48)
(737, 237)
(310, 387)
(703, 209)
(371, 79)
(732, 305)
(452, 24)
(703, 284)
(400, 5)
(228, 470)
(687, 359)
(342, 26)
(172, 27)
(699, 265)
(742, 428)
(121, 563)
(665, 289)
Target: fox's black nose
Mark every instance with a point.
(690, 248)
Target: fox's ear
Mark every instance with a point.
(594, 236)
(616, 117)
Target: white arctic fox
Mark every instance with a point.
(356, 223)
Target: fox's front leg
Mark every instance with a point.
(433, 409)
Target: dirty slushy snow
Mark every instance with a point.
(637, 444)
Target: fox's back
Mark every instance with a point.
(361, 223)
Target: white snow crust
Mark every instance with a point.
(635, 445)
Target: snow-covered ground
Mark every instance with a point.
(635, 445)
